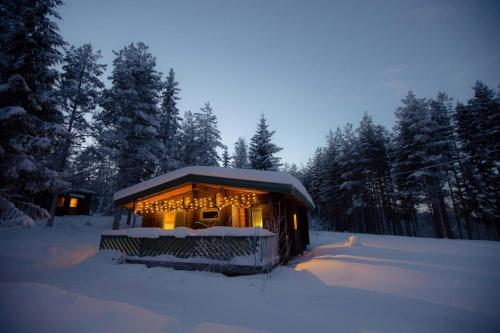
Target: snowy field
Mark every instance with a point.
(55, 280)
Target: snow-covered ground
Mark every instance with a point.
(55, 280)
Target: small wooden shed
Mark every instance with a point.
(74, 202)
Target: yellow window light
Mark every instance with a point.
(169, 220)
(295, 221)
(256, 217)
(73, 202)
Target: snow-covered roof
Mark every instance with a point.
(281, 181)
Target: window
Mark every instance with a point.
(256, 215)
(73, 202)
(210, 215)
(60, 202)
(169, 220)
(295, 225)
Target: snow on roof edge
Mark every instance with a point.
(276, 177)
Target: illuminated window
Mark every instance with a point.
(60, 202)
(73, 202)
(256, 213)
(169, 220)
(294, 221)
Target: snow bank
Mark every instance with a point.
(183, 232)
(36, 307)
(353, 241)
(390, 284)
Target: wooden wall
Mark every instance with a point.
(297, 239)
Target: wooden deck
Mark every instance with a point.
(224, 254)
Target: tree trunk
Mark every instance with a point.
(455, 210)
(53, 207)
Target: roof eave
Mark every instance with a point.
(241, 183)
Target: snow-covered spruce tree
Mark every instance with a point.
(377, 189)
(240, 157)
(188, 140)
(312, 177)
(130, 116)
(418, 156)
(262, 150)
(444, 153)
(95, 167)
(351, 187)
(431, 139)
(79, 89)
(291, 168)
(208, 137)
(29, 118)
(477, 135)
(327, 183)
(406, 158)
(170, 124)
(226, 159)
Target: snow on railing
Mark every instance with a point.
(249, 247)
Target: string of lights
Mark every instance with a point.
(187, 203)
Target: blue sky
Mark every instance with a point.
(309, 66)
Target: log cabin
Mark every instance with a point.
(219, 203)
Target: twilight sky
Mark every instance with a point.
(309, 66)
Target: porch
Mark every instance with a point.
(219, 249)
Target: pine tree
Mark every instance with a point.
(327, 183)
(130, 114)
(188, 140)
(477, 135)
(262, 150)
(377, 191)
(240, 157)
(170, 123)
(407, 157)
(226, 160)
(79, 90)
(291, 168)
(207, 136)
(29, 118)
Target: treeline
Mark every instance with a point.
(437, 173)
(63, 129)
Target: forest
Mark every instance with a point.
(435, 174)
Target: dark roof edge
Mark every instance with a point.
(242, 183)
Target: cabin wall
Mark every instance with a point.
(276, 208)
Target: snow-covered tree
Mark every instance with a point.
(374, 170)
(130, 114)
(226, 159)
(188, 140)
(170, 123)
(29, 117)
(478, 128)
(240, 157)
(207, 136)
(78, 93)
(291, 168)
(262, 149)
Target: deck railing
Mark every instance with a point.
(228, 254)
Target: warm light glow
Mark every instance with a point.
(294, 221)
(73, 202)
(190, 204)
(60, 202)
(256, 217)
(168, 220)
